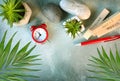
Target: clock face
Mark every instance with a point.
(40, 35)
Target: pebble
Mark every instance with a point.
(75, 8)
(52, 12)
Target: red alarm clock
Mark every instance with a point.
(39, 33)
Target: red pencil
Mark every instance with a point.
(105, 39)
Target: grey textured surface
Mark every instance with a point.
(61, 60)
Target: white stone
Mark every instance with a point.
(75, 8)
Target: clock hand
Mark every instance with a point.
(38, 35)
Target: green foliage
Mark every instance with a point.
(107, 66)
(73, 27)
(15, 64)
(12, 11)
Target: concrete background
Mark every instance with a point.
(61, 59)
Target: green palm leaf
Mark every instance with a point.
(14, 62)
(107, 66)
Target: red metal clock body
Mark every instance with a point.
(39, 33)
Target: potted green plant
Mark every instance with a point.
(17, 64)
(16, 12)
(106, 67)
(74, 26)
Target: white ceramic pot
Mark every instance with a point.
(78, 19)
(27, 15)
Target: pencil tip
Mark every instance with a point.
(78, 44)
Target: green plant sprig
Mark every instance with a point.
(107, 66)
(15, 63)
(73, 27)
(11, 11)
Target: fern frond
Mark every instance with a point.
(107, 65)
(14, 62)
